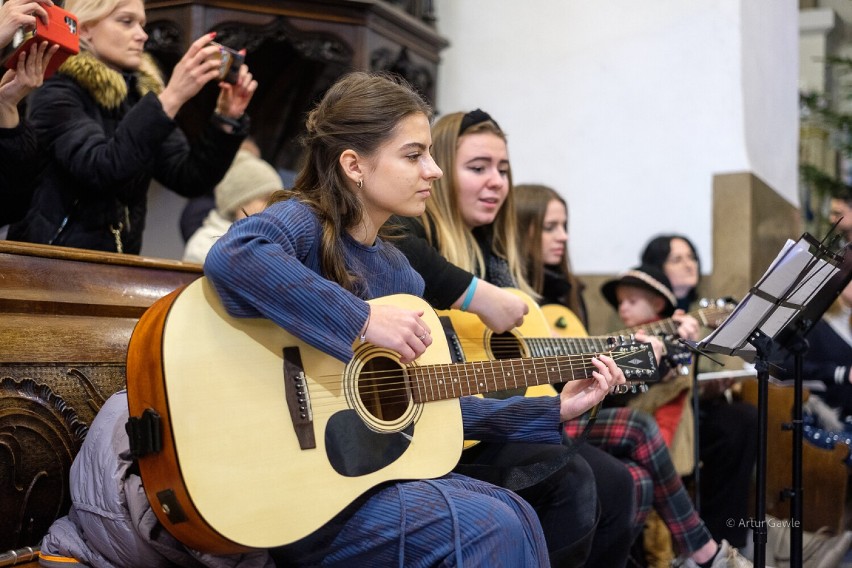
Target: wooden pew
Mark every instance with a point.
(824, 472)
(66, 316)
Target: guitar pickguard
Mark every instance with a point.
(353, 449)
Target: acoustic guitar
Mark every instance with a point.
(710, 314)
(534, 338)
(248, 438)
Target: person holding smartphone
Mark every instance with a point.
(18, 147)
(107, 122)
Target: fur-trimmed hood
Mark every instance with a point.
(106, 85)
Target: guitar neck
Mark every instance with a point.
(440, 382)
(710, 316)
(562, 346)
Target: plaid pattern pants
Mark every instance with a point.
(633, 436)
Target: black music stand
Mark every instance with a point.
(780, 309)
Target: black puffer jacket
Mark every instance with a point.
(107, 136)
(19, 166)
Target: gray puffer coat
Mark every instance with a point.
(111, 524)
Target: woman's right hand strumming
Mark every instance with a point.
(399, 329)
(498, 309)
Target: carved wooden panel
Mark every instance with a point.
(66, 317)
(296, 49)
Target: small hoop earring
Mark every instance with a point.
(360, 184)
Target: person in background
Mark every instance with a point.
(107, 122)
(245, 190)
(543, 218)
(727, 456)
(628, 434)
(196, 209)
(19, 156)
(309, 262)
(828, 359)
(643, 295)
(464, 247)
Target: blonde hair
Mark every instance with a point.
(92, 12)
(445, 228)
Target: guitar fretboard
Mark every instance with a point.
(562, 346)
(439, 382)
(711, 316)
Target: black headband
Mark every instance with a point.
(475, 117)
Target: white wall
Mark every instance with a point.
(629, 108)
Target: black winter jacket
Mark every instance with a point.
(107, 136)
(19, 166)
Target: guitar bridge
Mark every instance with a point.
(298, 398)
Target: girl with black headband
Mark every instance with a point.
(464, 246)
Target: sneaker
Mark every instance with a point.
(820, 549)
(727, 557)
(831, 554)
(730, 557)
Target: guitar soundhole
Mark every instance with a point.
(382, 389)
(505, 346)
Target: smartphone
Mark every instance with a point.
(61, 30)
(230, 61)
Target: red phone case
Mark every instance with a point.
(61, 29)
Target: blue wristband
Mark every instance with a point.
(468, 298)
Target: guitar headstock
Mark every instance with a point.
(635, 359)
(712, 312)
(630, 388)
(677, 353)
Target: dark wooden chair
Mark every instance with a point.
(66, 316)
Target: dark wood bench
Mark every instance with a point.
(66, 316)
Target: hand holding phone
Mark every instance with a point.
(20, 15)
(230, 61)
(60, 30)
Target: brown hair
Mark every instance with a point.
(359, 112)
(531, 202)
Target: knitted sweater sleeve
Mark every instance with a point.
(515, 419)
(267, 265)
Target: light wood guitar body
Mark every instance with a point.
(259, 439)
(479, 343)
(535, 338)
(563, 322)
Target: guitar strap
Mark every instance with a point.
(519, 477)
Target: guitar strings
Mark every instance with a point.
(398, 384)
(510, 346)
